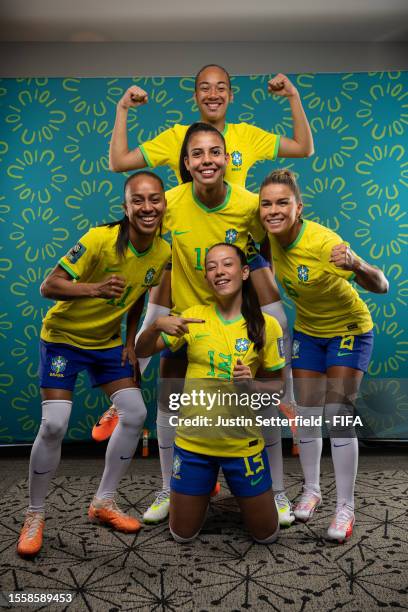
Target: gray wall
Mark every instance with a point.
(167, 59)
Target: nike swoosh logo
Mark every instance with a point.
(255, 482)
(341, 354)
(201, 336)
(124, 458)
(176, 233)
(338, 445)
(111, 270)
(306, 441)
(40, 473)
(270, 445)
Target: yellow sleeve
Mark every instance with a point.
(173, 343)
(263, 143)
(83, 255)
(162, 150)
(272, 353)
(325, 254)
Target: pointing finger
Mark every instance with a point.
(193, 320)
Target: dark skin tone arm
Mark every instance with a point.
(59, 285)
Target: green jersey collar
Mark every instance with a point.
(298, 238)
(227, 321)
(217, 208)
(136, 252)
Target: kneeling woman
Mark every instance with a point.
(230, 340)
(332, 341)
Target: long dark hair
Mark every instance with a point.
(199, 126)
(251, 309)
(123, 234)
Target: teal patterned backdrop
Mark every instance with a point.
(55, 185)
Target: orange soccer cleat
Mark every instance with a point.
(107, 512)
(31, 537)
(103, 429)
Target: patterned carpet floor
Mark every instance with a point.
(223, 569)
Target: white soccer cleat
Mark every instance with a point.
(284, 508)
(341, 527)
(159, 510)
(307, 505)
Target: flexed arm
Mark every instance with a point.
(368, 277)
(121, 158)
(301, 144)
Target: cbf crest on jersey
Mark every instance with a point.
(303, 273)
(58, 365)
(242, 345)
(236, 158)
(231, 236)
(149, 276)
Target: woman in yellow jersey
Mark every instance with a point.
(229, 340)
(201, 212)
(103, 277)
(332, 341)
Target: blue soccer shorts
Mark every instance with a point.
(61, 363)
(319, 354)
(196, 474)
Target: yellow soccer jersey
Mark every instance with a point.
(193, 229)
(213, 349)
(94, 323)
(245, 143)
(326, 303)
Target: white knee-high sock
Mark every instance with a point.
(153, 312)
(273, 447)
(275, 309)
(344, 455)
(123, 442)
(46, 451)
(165, 437)
(310, 449)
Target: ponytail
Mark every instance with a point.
(252, 313)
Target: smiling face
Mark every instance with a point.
(206, 159)
(224, 271)
(145, 204)
(213, 94)
(279, 209)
